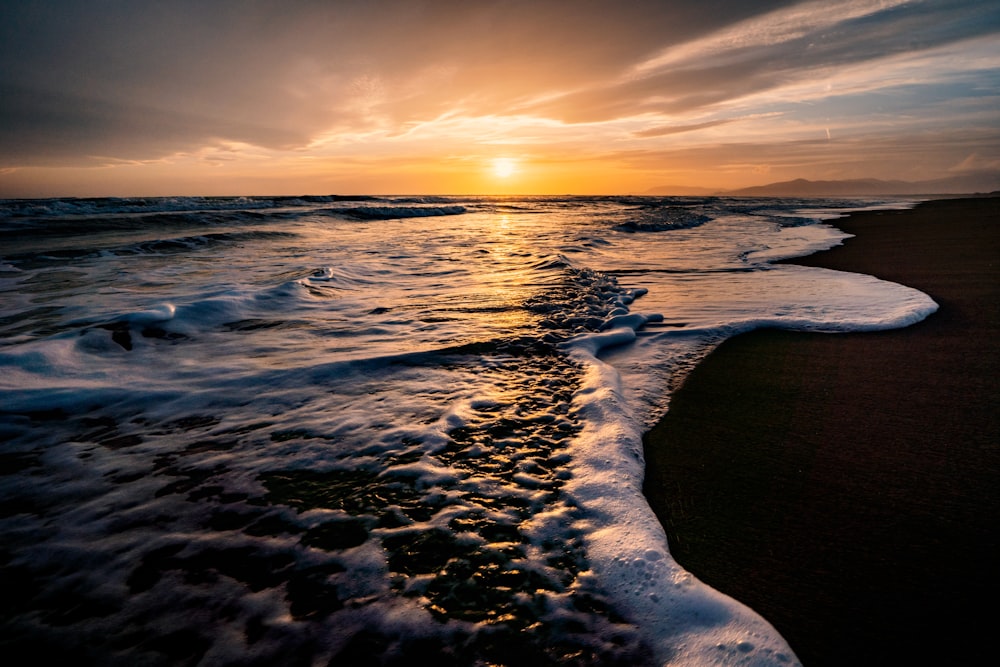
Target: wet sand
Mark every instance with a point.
(847, 486)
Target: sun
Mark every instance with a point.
(504, 167)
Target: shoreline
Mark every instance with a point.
(847, 486)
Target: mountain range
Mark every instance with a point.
(979, 182)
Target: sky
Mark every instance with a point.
(220, 97)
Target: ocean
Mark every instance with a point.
(367, 430)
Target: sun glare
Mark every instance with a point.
(504, 167)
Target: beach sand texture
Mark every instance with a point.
(847, 486)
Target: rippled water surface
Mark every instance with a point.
(330, 430)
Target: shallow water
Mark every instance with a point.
(323, 430)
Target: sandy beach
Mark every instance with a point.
(847, 486)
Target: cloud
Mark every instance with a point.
(974, 162)
(665, 130)
(781, 26)
(122, 82)
(783, 48)
(668, 130)
(144, 79)
(921, 156)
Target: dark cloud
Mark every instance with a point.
(732, 71)
(140, 80)
(122, 80)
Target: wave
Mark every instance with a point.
(395, 212)
(432, 435)
(429, 199)
(154, 247)
(85, 207)
(656, 218)
(189, 243)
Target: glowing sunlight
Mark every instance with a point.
(504, 167)
(642, 97)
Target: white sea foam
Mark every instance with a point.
(625, 540)
(313, 431)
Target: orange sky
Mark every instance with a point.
(580, 97)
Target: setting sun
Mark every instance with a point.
(484, 97)
(504, 167)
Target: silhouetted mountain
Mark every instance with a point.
(968, 183)
(964, 184)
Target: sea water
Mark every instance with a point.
(333, 430)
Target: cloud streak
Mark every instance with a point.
(106, 81)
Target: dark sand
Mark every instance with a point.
(847, 486)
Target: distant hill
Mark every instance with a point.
(966, 184)
(800, 187)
